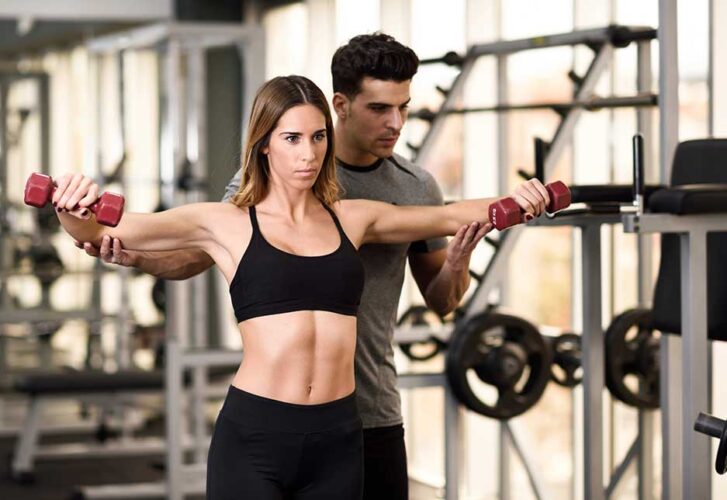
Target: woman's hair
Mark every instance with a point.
(272, 100)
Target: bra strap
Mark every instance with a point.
(253, 219)
(335, 219)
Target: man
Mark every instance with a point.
(371, 81)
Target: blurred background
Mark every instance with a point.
(88, 86)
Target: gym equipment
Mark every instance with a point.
(46, 264)
(589, 104)
(632, 359)
(566, 369)
(689, 297)
(506, 212)
(451, 58)
(716, 428)
(504, 352)
(421, 316)
(108, 208)
(159, 295)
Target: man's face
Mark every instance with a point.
(375, 116)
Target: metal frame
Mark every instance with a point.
(183, 133)
(694, 477)
(601, 41)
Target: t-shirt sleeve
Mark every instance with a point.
(233, 186)
(431, 195)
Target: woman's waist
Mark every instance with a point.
(257, 411)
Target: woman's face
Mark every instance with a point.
(297, 147)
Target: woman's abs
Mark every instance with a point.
(304, 357)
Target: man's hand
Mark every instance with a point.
(460, 248)
(111, 252)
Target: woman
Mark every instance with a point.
(288, 247)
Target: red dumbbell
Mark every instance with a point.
(506, 212)
(108, 208)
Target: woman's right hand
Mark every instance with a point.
(74, 193)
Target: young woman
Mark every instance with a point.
(289, 427)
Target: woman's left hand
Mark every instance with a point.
(460, 248)
(74, 193)
(532, 197)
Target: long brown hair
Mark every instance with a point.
(273, 99)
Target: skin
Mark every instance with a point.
(302, 357)
(368, 127)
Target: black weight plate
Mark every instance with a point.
(632, 359)
(567, 357)
(487, 351)
(420, 316)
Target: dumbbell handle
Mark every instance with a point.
(712, 426)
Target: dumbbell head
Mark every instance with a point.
(109, 208)
(38, 190)
(504, 213)
(560, 196)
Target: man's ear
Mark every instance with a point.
(340, 105)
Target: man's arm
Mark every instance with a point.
(174, 265)
(442, 276)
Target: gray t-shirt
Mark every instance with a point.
(398, 181)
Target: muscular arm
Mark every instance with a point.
(443, 275)
(174, 265)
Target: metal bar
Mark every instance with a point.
(591, 37)
(618, 473)
(530, 469)
(645, 258)
(668, 223)
(28, 439)
(196, 104)
(41, 315)
(73, 10)
(668, 87)
(592, 104)
(593, 362)
(206, 35)
(453, 422)
(177, 321)
(503, 479)
(696, 455)
(416, 380)
(437, 125)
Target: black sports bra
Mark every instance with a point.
(271, 281)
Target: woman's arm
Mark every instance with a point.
(386, 223)
(174, 229)
(180, 227)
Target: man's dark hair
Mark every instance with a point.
(377, 56)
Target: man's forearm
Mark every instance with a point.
(447, 288)
(175, 265)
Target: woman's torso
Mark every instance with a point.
(298, 356)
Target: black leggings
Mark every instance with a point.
(385, 476)
(266, 449)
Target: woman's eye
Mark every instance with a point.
(292, 139)
(319, 137)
